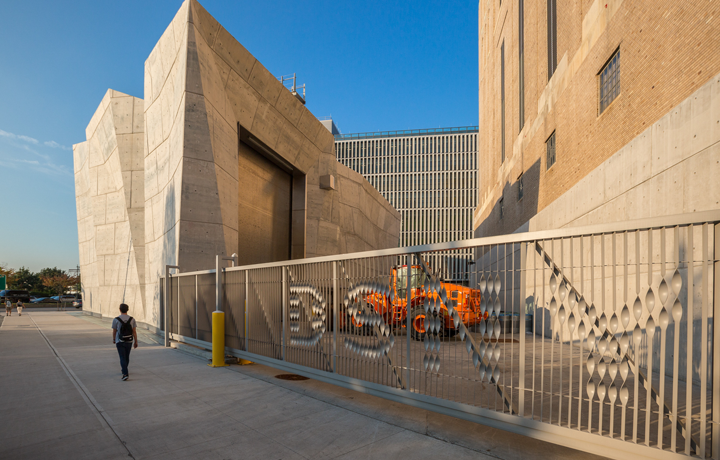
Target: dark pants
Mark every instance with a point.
(124, 352)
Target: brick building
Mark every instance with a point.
(596, 111)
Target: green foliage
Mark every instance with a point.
(50, 272)
(25, 279)
(47, 282)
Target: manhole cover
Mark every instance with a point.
(290, 377)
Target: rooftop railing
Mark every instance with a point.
(406, 133)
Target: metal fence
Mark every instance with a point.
(599, 338)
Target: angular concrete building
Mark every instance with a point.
(218, 158)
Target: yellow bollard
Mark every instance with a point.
(218, 339)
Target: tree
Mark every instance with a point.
(25, 279)
(59, 283)
(50, 272)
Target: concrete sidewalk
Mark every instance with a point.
(63, 398)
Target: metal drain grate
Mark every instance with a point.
(290, 377)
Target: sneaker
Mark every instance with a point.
(125, 377)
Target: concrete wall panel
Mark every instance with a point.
(667, 169)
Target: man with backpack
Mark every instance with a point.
(124, 335)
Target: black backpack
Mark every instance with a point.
(126, 330)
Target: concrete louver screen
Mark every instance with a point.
(205, 95)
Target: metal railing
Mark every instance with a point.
(600, 339)
(406, 133)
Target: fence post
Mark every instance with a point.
(247, 289)
(336, 293)
(166, 322)
(715, 443)
(166, 308)
(178, 307)
(218, 284)
(196, 306)
(218, 317)
(218, 321)
(284, 312)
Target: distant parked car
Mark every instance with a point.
(13, 295)
(77, 303)
(60, 298)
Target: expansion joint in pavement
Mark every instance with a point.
(84, 392)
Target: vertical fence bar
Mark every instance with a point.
(521, 312)
(552, 333)
(283, 337)
(649, 337)
(580, 360)
(196, 306)
(178, 306)
(336, 293)
(689, 345)
(663, 343)
(570, 331)
(636, 394)
(715, 445)
(676, 354)
(625, 302)
(408, 265)
(612, 390)
(601, 398)
(247, 306)
(542, 341)
(560, 323)
(167, 308)
(704, 342)
(592, 304)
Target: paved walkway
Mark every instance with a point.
(62, 398)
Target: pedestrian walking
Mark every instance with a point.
(8, 308)
(19, 307)
(124, 338)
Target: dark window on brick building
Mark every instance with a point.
(502, 208)
(610, 81)
(502, 102)
(552, 36)
(550, 145)
(520, 188)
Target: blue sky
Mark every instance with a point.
(370, 65)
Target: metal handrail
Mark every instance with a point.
(525, 237)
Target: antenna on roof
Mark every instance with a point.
(294, 88)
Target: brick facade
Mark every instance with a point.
(668, 50)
